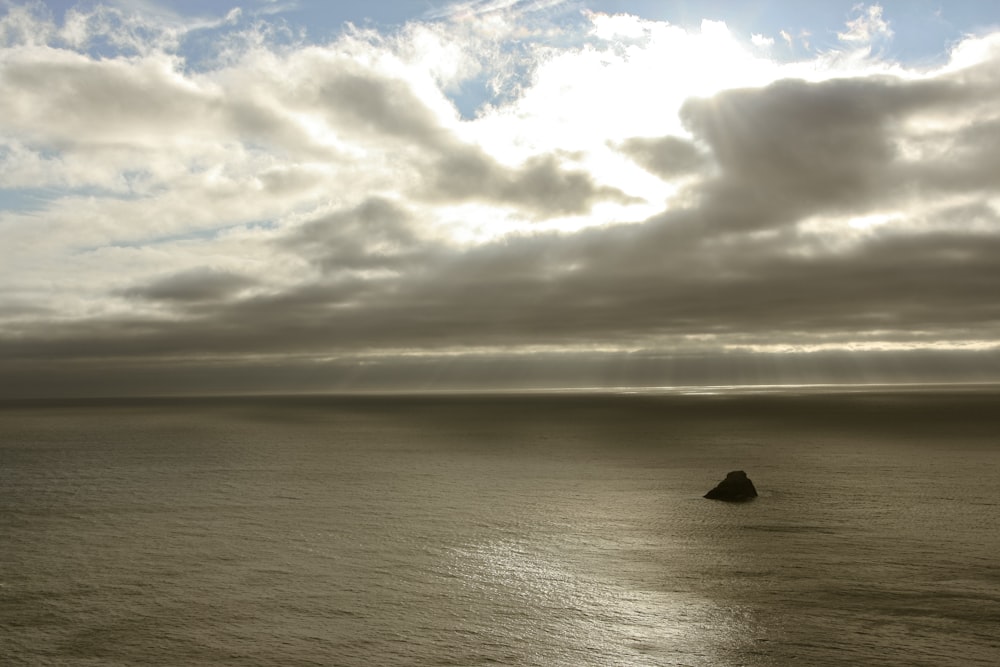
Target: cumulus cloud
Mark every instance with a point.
(809, 144)
(304, 205)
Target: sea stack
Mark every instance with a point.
(735, 488)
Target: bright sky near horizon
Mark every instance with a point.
(290, 196)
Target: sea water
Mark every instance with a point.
(541, 529)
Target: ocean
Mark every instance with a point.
(549, 528)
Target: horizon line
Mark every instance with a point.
(647, 390)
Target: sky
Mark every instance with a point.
(303, 196)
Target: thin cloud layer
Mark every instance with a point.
(283, 208)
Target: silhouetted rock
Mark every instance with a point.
(735, 488)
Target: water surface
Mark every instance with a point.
(543, 529)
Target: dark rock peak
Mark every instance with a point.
(735, 488)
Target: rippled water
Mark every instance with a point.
(523, 530)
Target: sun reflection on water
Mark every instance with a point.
(592, 614)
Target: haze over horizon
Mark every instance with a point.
(287, 196)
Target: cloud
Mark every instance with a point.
(134, 26)
(797, 148)
(540, 185)
(29, 24)
(307, 205)
(196, 285)
(59, 98)
(375, 234)
(621, 287)
(478, 8)
(866, 27)
(382, 106)
(667, 157)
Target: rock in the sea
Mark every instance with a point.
(735, 488)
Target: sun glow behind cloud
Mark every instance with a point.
(619, 183)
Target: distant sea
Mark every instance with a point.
(503, 529)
